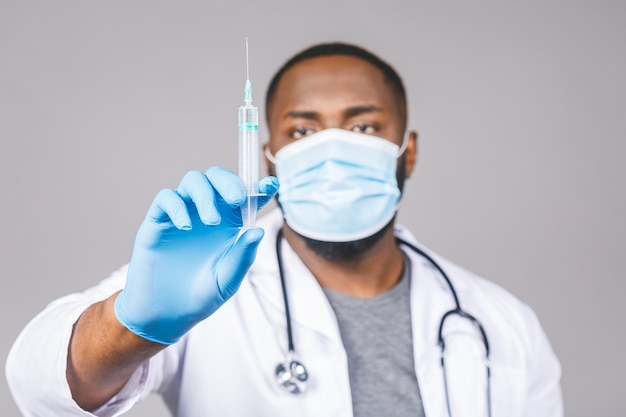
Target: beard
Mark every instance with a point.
(345, 251)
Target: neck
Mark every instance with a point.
(377, 270)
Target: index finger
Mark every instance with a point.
(228, 185)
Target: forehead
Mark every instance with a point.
(329, 83)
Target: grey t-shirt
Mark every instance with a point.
(377, 336)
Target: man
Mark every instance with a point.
(335, 317)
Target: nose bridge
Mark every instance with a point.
(331, 109)
(332, 119)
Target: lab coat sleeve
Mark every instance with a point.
(544, 397)
(36, 364)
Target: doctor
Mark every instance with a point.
(336, 317)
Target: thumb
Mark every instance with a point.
(237, 261)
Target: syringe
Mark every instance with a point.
(249, 152)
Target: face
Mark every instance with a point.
(338, 92)
(334, 92)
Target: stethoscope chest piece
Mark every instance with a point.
(292, 376)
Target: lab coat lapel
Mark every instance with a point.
(308, 304)
(429, 301)
(465, 366)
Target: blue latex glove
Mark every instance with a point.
(187, 260)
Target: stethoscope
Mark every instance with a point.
(293, 376)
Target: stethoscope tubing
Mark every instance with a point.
(281, 272)
(456, 311)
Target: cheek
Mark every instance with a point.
(271, 169)
(269, 166)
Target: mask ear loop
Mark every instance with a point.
(269, 155)
(403, 146)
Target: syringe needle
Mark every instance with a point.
(247, 61)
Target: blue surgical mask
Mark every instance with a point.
(337, 185)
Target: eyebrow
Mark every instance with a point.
(301, 115)
(355, 111)
(349, 112)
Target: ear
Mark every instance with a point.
(411, 154)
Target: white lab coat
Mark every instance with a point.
(225, 365)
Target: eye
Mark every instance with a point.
(363, 128)
(301, 132)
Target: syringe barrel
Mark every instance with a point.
(249, 148)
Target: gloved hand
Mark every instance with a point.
(187, 260)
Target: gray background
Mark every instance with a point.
(520, 110)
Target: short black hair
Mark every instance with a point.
(338, 48)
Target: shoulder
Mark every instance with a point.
(498, 309)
